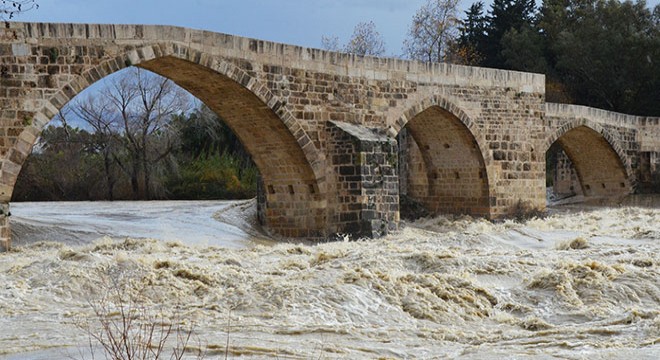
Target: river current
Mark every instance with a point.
(579, 284)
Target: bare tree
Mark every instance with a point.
(365, 41)
(145, 105)
(98, 113)
(9, 9)
(330, 43)
(124, 326)
(433, 27)
(131, 118)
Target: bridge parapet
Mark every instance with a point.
(598, 115)
(336, 63)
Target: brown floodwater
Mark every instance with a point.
(578, 284)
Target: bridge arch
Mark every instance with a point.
(290, 164)
(445, 167)
(601, 164)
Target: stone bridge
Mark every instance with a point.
(323, 127)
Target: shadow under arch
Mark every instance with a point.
(290, 164)
(443, 163)
(596, 156)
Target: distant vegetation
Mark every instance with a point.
(138, 138)
(601, 53)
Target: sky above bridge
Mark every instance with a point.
(299, 22)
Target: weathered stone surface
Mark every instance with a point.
(364, 164)
(612, 154)
(477, 140)
(566, 182)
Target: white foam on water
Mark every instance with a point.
(574, 285)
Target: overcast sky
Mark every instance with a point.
(299, 22)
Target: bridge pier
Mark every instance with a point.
(365, 190)
(363, 183)
(5, 230)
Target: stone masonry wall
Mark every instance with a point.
(367, 187)
(279, 99)
(648, 135)
(566, 182)
(629, 141)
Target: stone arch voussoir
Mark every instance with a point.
(607, 135)
(442, 192)
(448, 105)
(135, 57)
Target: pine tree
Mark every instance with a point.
(472, 39)
(504, 16)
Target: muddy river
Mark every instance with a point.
(579, 284)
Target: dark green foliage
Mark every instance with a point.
(505, 16)
(606, 52)
(523, 49)
(600, 53)
(219, 176)
(213, 162)
(203, 134)
(209, 163)
(472, 39)
(63, 167)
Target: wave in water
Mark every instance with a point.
(569, 286)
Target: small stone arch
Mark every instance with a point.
(304, 188)
(599, 160)
(451, 176)
(604, 132)
(446, 104)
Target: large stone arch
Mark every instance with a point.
(291, 166)
(447, 170)
(599, 160)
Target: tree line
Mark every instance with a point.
(600, 53)
(140, 138)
